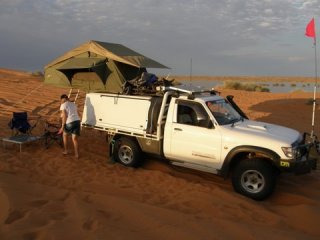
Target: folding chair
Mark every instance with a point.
(21, 129)
(19, 124)
(51, 134)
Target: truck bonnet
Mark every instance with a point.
(268, 131)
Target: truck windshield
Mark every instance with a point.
(223, 112)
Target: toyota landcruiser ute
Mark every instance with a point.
(198, 129)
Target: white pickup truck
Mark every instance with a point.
(201, 130)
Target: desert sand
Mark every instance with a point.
(45, 195)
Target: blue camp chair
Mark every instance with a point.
(19, 124)
(21, 129)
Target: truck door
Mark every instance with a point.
(194, 140)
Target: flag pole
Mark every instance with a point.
(315, 87)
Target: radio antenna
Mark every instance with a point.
(190, 70)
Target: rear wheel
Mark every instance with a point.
(127, 152)
(254, 178)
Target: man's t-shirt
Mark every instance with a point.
(71, 110)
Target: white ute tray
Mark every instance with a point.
(114, 112)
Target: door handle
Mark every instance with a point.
(178, 129)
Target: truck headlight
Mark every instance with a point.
(288, 151)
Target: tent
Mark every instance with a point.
(97, 66)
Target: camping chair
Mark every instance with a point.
(51, 134)
(20, 124)
(21, 129)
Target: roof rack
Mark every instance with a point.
(191, 90)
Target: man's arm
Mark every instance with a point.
(64, 120)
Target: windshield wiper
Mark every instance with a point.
(233, 121)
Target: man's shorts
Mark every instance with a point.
(72, 128)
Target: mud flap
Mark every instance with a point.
(111, 150)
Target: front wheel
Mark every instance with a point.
(254, 178)
(127, 152)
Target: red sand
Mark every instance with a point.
(44, 195)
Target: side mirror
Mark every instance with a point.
(210, 124)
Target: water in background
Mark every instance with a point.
(283, 87)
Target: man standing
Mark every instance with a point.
(70, 124)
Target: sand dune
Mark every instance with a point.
(45, 195)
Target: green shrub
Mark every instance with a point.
(310, 101)
(246, 87)
(37, 74)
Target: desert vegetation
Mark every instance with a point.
(273, 79)
(245, 86)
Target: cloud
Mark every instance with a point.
(265, 24)
(169, 31)
(296, 59)
(259, 18)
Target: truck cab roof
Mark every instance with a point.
(190, 91)
(201, 97)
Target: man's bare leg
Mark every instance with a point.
(65, 143)
(75, 145)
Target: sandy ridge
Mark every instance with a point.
(44, 195)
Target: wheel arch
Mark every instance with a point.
(127, 151)
(117, 137)
(242, 152)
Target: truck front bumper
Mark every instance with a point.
(300, 165)
(305, 166)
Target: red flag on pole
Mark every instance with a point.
(310, 29)
(311, 32)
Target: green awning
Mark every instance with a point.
(82, 63)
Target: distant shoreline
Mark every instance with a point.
(246, 78)
(277, 79)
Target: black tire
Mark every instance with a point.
(127, 152)
(254, 178)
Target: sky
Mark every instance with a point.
(198, 37)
